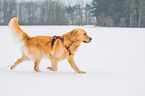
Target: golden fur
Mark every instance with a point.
(56, 53)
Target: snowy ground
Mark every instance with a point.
(114, 62)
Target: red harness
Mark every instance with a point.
(61, 38)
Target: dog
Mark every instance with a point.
(60, 50)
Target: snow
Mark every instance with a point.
(114, 62)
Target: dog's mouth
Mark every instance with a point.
(88, 41)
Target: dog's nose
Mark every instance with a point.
(90, 38)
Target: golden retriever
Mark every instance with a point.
(72, 40)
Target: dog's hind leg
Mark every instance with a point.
(36, 65)
(73, 64)
(20, 60)
(54, 63)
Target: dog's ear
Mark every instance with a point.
(73, 33)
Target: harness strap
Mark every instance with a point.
(54, 39)
(61, 38)
(68, 50)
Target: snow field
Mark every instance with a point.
(114, 62)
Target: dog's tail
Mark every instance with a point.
(17, 31)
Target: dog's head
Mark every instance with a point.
(80, 35)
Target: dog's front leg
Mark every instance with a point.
(73, 64)
(54, 63)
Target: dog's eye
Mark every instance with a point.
(84, 34)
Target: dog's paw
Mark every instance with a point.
(12, 67)
(82, 72)
(37, 70)
(50, 69)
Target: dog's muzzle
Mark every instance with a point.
(88, 41)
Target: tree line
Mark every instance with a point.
(126, 13)
(130, 13)
(46, 12)
(33, 12)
